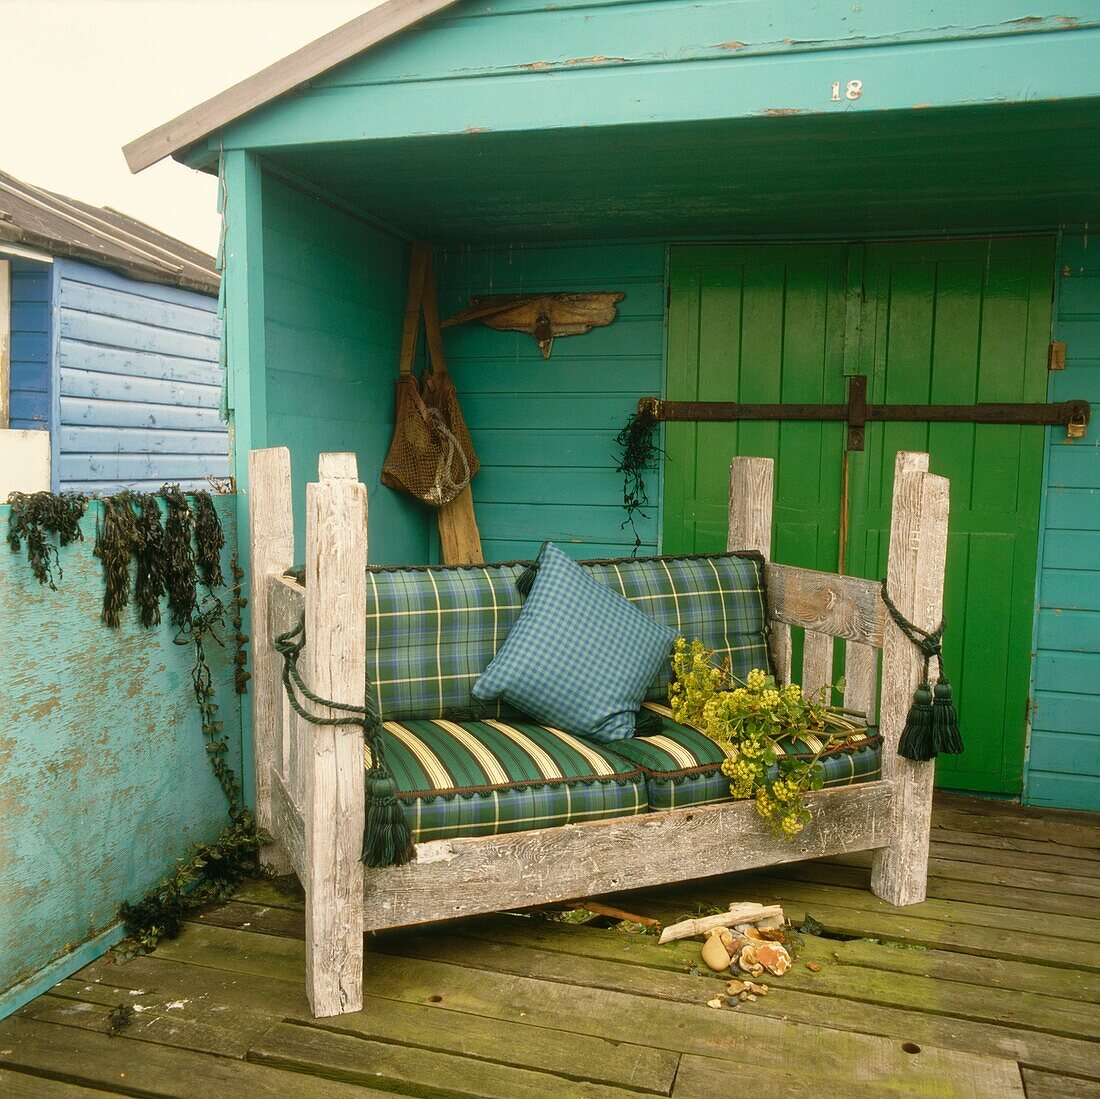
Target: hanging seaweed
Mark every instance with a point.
(35, 516)
(639, 452)
(180, 580)
(148, 559)
(116, 539)
(209, 541)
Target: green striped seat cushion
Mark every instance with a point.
(683, 767)
(432, 631)
(482, 778)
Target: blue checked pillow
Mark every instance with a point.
(579, 657)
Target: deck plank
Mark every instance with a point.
(706, 1078)
(358, 1060)
(145, 1068)
(684, 1024)
(592, 1058)
(1049, 1085)
(20, 1085)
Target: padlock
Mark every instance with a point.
(1075, 428)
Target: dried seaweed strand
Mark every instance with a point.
(35, 516)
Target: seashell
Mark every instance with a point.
(716, 1002)
(715, 955)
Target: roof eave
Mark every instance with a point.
(294, 70)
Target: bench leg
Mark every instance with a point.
(918, 551)
(335, 653)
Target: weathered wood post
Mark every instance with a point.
(271, 538)
(335, 659)
(914, 578)
(752, 490)
(752, 486)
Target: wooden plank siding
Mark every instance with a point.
(138, 383)
(104, 778)
(30, 344)
(713, 60)
(334, 299)
(545, 430)
(1063, 765)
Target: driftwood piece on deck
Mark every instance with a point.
(759, 915)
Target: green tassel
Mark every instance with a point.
(916, 739)
(647, 723)
(387, 840)
(526, 579)
(946, 735)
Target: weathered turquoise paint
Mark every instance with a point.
(544, 429)
(105, 776)
(1063, 761)
(598, 65)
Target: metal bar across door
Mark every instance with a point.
(1073, 415)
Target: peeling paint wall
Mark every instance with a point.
(103, 776)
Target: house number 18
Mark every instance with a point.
(852, 90)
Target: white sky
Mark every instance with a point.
(81, 78)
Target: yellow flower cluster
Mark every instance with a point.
(747, 720)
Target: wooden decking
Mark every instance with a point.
(989, 988)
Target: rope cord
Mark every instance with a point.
(930, 642)
(387, 840)
(290, 645)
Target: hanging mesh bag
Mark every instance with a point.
(431, 456)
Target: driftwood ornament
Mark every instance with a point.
(543, 316)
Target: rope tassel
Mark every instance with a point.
(387, 839)
(932, 726)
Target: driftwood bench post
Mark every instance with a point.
(310, 783)
(310, 780)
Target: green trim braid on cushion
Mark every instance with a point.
(683, 766)
(482, 778)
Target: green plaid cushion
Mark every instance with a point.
(682, 766)
(480, 778)
(580, 656)
(718, 598)
(432, 631)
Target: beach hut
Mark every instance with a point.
(866, 222)
(109, 341)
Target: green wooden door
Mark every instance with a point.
(944, 322)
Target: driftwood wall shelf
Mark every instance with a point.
(543, 316)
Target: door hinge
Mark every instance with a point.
(1056, 355)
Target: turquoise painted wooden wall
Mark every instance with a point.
(334, 299)
(104, 779)
(138, 383)
(1063, 762)
(30, 343)
(544, 430)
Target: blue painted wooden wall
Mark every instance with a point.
(138, 383)
(544, 430)
(30, 343)
(1063, 762)
(104, 780)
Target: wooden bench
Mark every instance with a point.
(310, 779)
